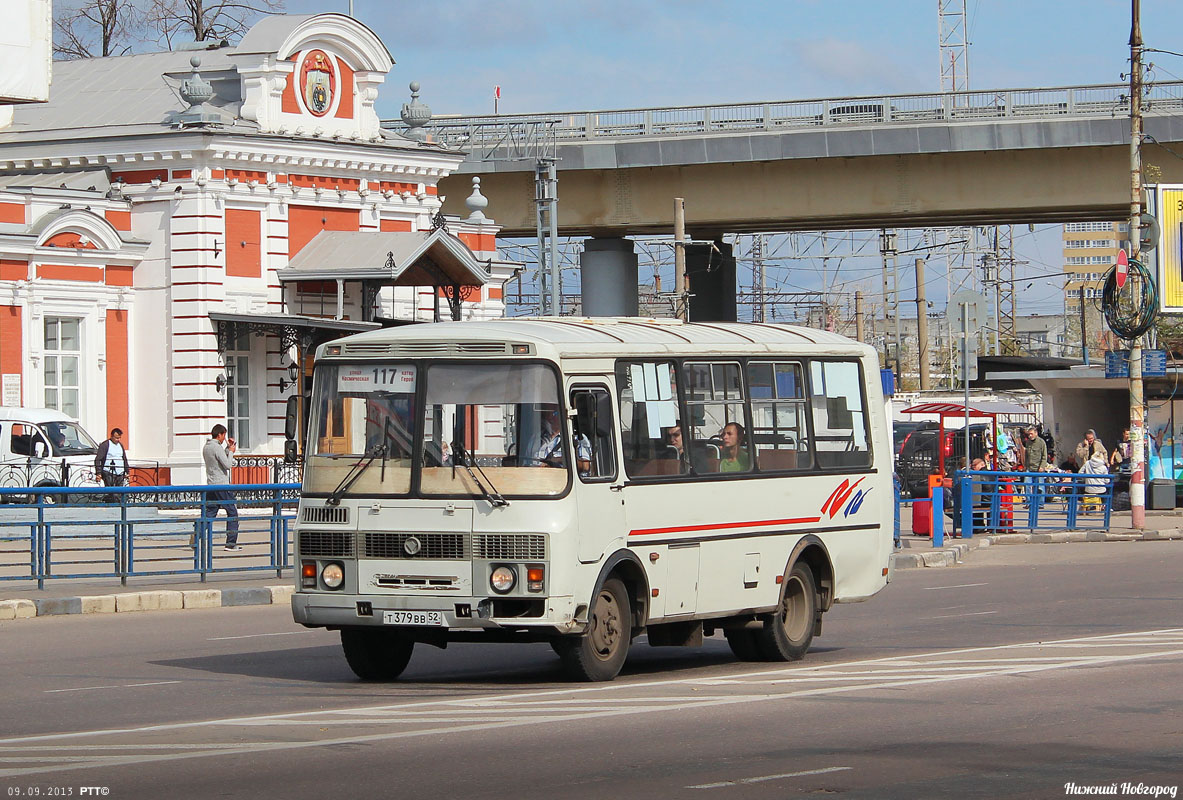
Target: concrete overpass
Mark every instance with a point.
(995, 157)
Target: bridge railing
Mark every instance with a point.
(490, 133)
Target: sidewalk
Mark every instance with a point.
(157, 593)
(917, 551)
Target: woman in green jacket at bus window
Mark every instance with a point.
(734, 454)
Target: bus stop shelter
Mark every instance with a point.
(979, 410)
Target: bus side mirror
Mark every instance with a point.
(292, 418)
(290, 452)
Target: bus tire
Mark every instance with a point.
(376, 655)
(599, 654)
(743, 644)
(786, 636)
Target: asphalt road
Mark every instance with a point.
(1027, 669)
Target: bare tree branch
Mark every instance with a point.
(96, 28)
(206, 20)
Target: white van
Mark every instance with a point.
(44, 447)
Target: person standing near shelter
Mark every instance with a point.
(218, 455)
(1122, 452)
(1035, 451)
(110, 462)
(1088, 448)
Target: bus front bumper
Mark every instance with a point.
(321, 609)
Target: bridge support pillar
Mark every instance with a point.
(710, 271)
(608, 278)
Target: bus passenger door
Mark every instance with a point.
(598, 495)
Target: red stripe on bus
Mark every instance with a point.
(723, 526)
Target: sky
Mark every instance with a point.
(559, 55)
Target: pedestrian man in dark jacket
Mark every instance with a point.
(110, 462)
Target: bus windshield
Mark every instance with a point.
(487, 430)
(504, 419)
(362, 411)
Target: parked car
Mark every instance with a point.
(918, 455)
(41, 447)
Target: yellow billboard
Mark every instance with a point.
(1169, 253)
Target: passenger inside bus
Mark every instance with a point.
(734, 455)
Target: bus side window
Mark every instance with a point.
(594, 435)
(839, 415)
(779, 433)
(648, 395)
(715, 402)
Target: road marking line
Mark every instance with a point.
(248, 747)
(967, 614)
(958, 586)
(253, 636)
(797, 669)
(114, 686)
(742, 781)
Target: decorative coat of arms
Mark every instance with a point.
(318, 82)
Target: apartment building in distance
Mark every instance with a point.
(1090, 251)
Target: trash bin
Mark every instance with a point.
(1162, 494)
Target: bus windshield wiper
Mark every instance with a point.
(491, 494)
(355, 472)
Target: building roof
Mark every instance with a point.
(92, 96)
(141, 93)
(403, 258)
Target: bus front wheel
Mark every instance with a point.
(376, 655)
(786, 636)
(599, 654)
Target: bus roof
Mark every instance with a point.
(562, 337)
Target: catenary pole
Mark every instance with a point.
(1137, 406)
(921, 327)
(681, 302)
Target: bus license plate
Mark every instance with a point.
(428, 618)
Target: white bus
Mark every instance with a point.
(586, 481)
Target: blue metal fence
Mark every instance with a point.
(936, 504)
(138, 531)
(1004, 502)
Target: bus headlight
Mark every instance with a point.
(332, 575)
(503, 579)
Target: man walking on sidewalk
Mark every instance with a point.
(218, 455)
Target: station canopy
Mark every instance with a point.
(981, 409)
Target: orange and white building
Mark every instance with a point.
(178, 230)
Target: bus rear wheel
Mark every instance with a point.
(376, 655)
(744, 644)
(786, 636)
(599, 654)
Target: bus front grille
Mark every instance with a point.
(510, 547)
(416, 545)
(326, 543)
(321, 515)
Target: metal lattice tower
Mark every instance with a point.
(759, 285)
(1005, 247)
(954, 51)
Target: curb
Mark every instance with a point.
(955, 554)
(949, 556)
(159, 600)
